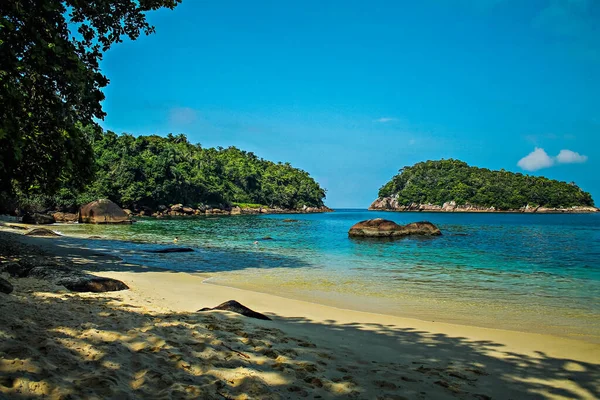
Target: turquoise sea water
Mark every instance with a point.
(537, 273)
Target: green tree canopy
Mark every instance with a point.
(148, 171)
(51, 84)
(437, 182)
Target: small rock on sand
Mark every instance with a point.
(236, 307)
(5, 286)
(15, 269)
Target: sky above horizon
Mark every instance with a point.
(352, 91)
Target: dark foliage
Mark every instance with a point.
(51, 85)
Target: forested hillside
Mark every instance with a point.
(154, 170)
(437, 182)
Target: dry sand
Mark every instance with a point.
(149, 342)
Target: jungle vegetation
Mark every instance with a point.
(148, 171)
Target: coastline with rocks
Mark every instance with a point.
(114, 214)
(391, 204)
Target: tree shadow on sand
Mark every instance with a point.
(64, 345)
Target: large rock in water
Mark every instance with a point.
(102, 211)
(382, 228)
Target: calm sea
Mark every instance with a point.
(538, 273)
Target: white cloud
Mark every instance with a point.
(535, 160)
(539, 159)
(570, 157)
(182, 115)
(383, 120)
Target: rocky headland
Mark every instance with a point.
(104, 211)
(392, 204)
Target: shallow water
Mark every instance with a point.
(538, 273)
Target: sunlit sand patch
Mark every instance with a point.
(27, 386)
(547, 388)
(85, 350)
(574, 367)
(111, 365)
(18, 365)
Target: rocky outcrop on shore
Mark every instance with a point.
(102, 211)
(180, 210)
(391, 204)
(62, 275)
(65, 217)
(383, 228)
(105, 211)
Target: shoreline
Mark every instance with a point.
(207, 279)
(381, 355)
(408, 319)
(450, 311)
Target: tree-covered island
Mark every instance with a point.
(453, 185)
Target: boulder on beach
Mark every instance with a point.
(177, 207)
(236, 307)
(5, 286)
(102, 211)
(92, 283)
(382, 228)
(15, 269)
(65, 217)
(41, 232)
(38, 219)
(74, 279)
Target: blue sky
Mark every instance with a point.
(351, 91)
